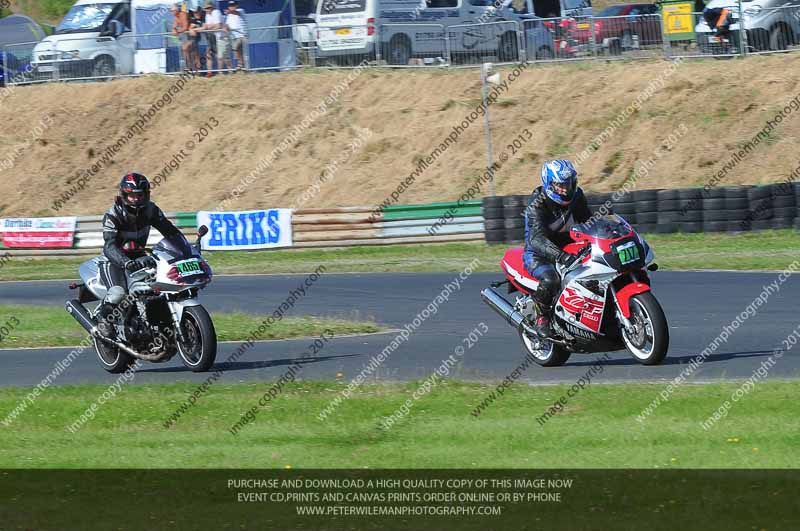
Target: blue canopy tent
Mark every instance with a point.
(18, 34)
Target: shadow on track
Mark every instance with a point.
(681, 360)
(248, 365)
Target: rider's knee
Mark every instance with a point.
(548, 280)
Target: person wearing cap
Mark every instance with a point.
(180, 28)
(197, 19)
(237, 31)
(212, 27)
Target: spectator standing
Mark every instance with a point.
(237, 29)
(213, 29)
(180, 28)
(197, 19)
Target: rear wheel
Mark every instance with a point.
(509, 49)
(544, 353)
(111, 358)
(779, 38)
(648, 340)
(399, 51)
(198, 350)
(544, 53)
(627, 40)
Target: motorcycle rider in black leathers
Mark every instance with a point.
(553, 209)
(126, 227)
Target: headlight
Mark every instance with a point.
(753, 10)
(72, 54)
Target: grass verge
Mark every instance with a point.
(754, 250)
(596, 429)
(44, 326)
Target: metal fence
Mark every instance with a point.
(676, 32)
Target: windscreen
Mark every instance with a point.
(576, 4)
(174, 248)
(336, 7)
(604, 227)
(85, 17)
(611, 11)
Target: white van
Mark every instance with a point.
(93, 39)
(103, 38)
(349, 28)
(346, 30)
(406, 29)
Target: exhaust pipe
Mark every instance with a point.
(79, 312)
(499, 304)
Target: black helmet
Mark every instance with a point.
(134, 192)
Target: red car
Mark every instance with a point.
(630, 23)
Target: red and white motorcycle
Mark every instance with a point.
(605, 303)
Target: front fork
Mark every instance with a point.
(176, 310)
(626, 322)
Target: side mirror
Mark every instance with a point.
(115, 28)
(202, 230)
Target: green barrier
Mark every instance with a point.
(185, 220)
(431, 210)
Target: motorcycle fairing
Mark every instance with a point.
(581, 308)
(517, 273)
(626, 292)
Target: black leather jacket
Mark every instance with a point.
(125, 235)
(547, 223)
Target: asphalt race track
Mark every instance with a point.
(697, 305)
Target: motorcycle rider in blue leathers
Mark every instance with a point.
(553, 209)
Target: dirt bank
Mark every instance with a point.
(401, 116)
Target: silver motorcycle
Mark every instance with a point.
(159, 316)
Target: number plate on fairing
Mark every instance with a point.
(189, 268)
(628, 253)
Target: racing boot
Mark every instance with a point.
(542, 325)
(543, 328)
(106, 318)
(105, 324)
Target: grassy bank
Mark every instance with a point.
(757, 251)
(41, 326)
(597, 428)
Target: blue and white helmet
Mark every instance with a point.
(559, 181)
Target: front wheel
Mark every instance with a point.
(544, 353)
(648, 339)
(508, 50)
(104, 67)
(198, 349)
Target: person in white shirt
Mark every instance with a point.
(213, 22)
(237, 30)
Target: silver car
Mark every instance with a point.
(771, 25)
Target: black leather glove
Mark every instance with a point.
(140, 263)
(566, 259)
(146, 262)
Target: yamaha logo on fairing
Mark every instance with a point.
(575, 331)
